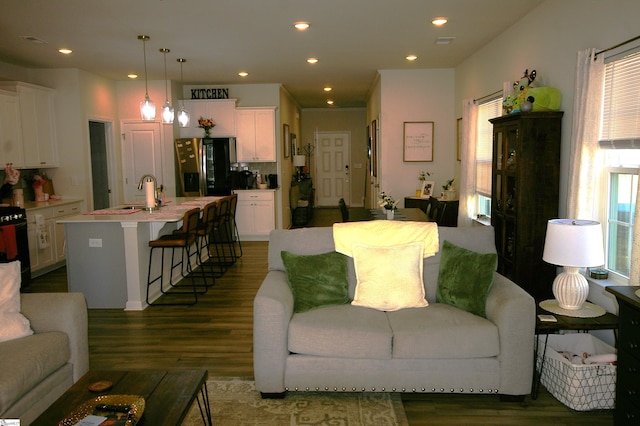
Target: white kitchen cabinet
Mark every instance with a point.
(221, 111)
(47, 244)
(255, 214)
(256, 134)
(11, 150)
(37, 115)
(41, 239)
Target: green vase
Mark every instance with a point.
(207, 132)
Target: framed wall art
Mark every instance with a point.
(418, 141)
(374, 148)
(286, 141)
(458, 137)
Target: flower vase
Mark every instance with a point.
(207, 132)
(390, 214)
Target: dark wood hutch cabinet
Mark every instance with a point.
(524, 196)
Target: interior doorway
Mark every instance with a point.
(333, 174)
(98, 137)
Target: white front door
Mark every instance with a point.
(141, 155)
(332, 168)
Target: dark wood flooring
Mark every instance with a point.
(216, 334)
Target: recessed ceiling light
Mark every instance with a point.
(65, 51)
(302, 26)
(312, 60)
(444, 40)
(440, 21)
(328, 89)
(132, 76)
(330, 101)
(411, 58)
(243, 73)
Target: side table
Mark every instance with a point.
(444, 212)
(608, 321)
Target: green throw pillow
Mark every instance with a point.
(465, 278)
(316, 280)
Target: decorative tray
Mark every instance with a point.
(133, 404)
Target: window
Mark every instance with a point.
(484, 154)
(620, 137)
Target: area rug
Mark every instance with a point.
(235, 402)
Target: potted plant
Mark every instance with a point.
(388, 204)
(449, 190)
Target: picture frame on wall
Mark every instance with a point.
(427, 189)
(458, 137)
(374, 145)
(418, 141)
(286, 143)
(294, 145)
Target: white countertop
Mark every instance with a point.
(33, 205)
(172, 211)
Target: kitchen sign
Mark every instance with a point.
(213, 93)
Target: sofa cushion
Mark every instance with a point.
(12, 323)
(341, 331)
(27, 361)
(442, 331)
(480, 239)
(465, 278)
(316, 280)
(389, 278)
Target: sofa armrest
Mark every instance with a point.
(272, 312)
(513, 311)
(66, 312)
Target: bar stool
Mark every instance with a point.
(220, 235)
(206, 227)
(235, 235)
(184, 241)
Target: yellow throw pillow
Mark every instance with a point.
(389, 278)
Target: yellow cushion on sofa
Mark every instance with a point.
(389, 278)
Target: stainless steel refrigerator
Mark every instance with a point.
(204, 165)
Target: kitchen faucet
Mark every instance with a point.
(150, 178)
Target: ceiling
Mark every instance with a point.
(219, 38)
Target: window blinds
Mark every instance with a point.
(484, 148)
(620, 127)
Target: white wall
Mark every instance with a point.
(415, 95)
(548, 39)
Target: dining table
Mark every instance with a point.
(357, 214)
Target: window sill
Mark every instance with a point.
(484, 220)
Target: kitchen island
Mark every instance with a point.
(108, 251)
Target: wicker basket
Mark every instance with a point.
(580, 387)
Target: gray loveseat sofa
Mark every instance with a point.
(438, 348)
(36, 370)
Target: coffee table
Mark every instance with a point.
(168, 395)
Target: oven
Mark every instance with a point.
(14, 244)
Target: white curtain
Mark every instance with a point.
(634, 273)
(467, 209)
(586, 160)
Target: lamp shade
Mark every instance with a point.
(575, 243)
(299, 160)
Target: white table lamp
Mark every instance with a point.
(299, 161)
(573, 244)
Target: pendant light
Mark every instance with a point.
(183, 116)
(167, 109)
(147, 107)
